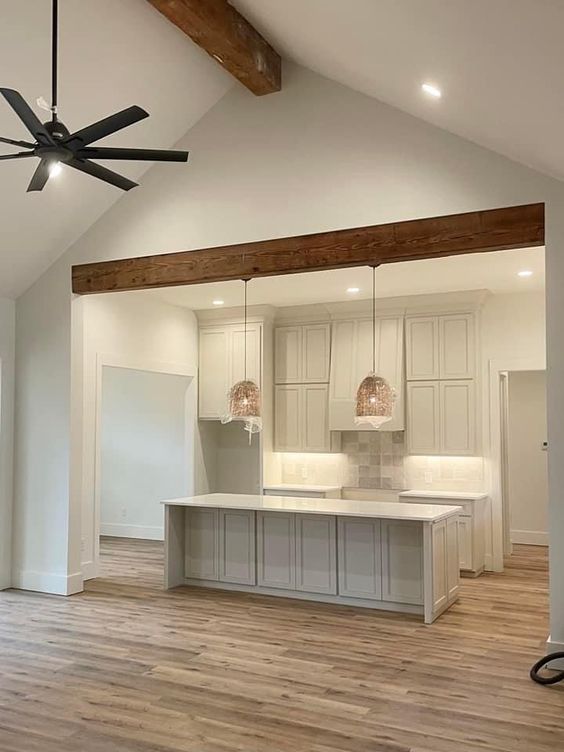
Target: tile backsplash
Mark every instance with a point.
(375, 459)
(379, 460)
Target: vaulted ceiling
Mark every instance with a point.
(499, 65)
(113, 53)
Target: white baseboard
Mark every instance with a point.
(529, 537)
(145, 532)
(89, 571)
(45, 582)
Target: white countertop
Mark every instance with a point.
(301, 487)
(429, 494)
(339, 507)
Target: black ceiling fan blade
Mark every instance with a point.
(98, 171)
(106, 127)
(11, 141)
(148, 155)
(40, 177)
(17, 155)
(27, 116)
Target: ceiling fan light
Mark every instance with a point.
(55, 168)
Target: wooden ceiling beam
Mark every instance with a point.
(474, 232)
(229, 38)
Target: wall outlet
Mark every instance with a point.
(303, 472)
(123, 513)
(428, 476)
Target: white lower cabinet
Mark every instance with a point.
(237, 556)
(360, 564)
(276, 550)
(402, 562)
(202, 544)
(316, 561)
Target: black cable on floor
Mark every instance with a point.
(539, 678)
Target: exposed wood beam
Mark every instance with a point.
(229, 38)
(490, 230)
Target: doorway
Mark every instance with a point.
(524, 458)
(143, 450)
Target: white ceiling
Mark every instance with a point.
(498, 62)
(496, 272)
(113, 53)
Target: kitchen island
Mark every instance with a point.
(381, 555)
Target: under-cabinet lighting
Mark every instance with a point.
(353, 290)
(431, 90)
(218, 302)
(525, 273)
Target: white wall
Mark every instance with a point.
(527, 463)
(7, 341)
(313, 157)
(130, 331)
(144, 457)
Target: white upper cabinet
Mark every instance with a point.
(441, 417)
(440, 347)
(302, 354)
(351, 361)
(222, 364)
(456, 346)
(300, 419)
(422, 348)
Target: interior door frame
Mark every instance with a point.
(104, 360)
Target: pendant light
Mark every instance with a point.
(244, 397)
(375, 397)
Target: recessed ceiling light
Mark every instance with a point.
(353, 289)
(55, 169)
(218, 302)
(431, 90)
(525, 273)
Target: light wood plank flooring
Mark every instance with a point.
(126, 666)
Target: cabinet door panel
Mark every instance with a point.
(316, 351)
(360, 565)
(465, 543)
(402, 562)
(453, 556)
(237, 562)
(316, 563)
(422, 348)
(213, 372)
(315, 430)
(423, 431)
(440, 579)
(458, 417)
(276, 560)
(287, 418)
(253, 341)
(288, 354)
(343, 360)
(202, 544)
(456, 338)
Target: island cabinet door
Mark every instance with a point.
(202, 544)
(316, 560)
(402, 562)
(360, 558)
(276, 550)
(237, 559)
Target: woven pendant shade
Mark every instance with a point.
(375, 397)
(244, 400)
(374, 401)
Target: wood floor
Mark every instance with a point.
(126, 666)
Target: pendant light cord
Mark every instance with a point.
(373, 319)
(54, 60)
(246, 281)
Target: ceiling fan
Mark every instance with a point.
(54, 145)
